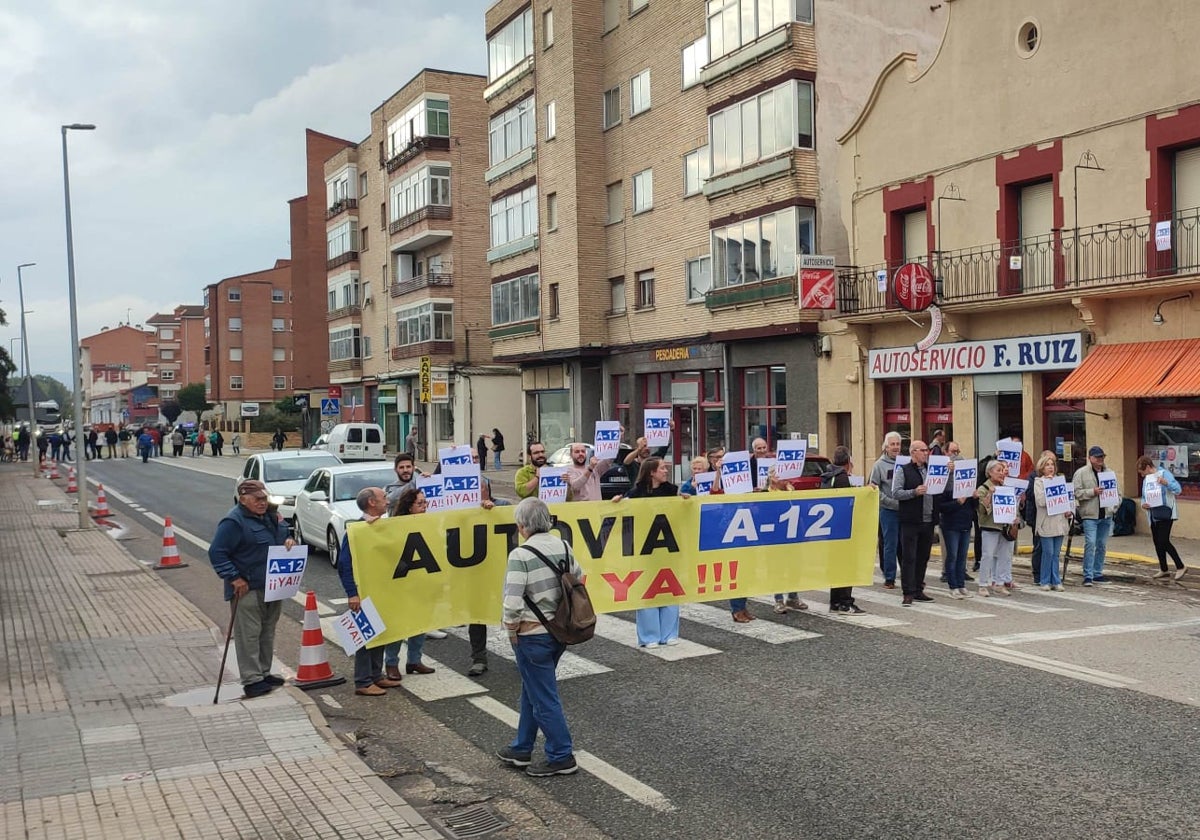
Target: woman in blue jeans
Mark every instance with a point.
(956, 517)
(411, 502)
(1050, 528)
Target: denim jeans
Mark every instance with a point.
(737, 604)
(497, 460)
(656, 625)
(1051, 572)
(537, 658)
(956, 557)
(391, 652)
(889, 542)
(1095, 543)
(368, 666)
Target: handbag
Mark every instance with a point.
(1009, 532)
(1162, 513)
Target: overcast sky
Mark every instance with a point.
(201, 110)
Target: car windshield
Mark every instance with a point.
(295, 469)
(346, 487)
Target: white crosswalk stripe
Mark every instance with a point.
(625, 633)
(1080, 598)
(771, 632)
(570, 666)
(952, 613)
(819, 608)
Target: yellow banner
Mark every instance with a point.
(442, 569)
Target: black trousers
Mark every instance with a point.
(916, 541)
(840, 595)
(1160, 530)
(477, 633)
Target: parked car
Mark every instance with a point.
(614, 482)
(356, 441)
(284, 474)
(327, 502)
(321, 443)
(814, 467)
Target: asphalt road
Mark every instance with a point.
(1072, 718)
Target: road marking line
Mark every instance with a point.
(953, 613)
(771, 632)
(570, 666)
(442, 685)
(1052, 666)
(1024, 606)
(619, 780)
(1080, 598)
(341, 602)
(323, 609)
(820, 609)
(179, 532)
(1084, 632)
(328, 700)
(625, 633)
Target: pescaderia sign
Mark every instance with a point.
(443, 569)
(1061, 351)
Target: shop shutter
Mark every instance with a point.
(1037, 210)
(1187, 179)
(916, 240)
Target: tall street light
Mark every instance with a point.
(76, 356)
(33, 424)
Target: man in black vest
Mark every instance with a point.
(917, 518)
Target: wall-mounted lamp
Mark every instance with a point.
(1158, 319)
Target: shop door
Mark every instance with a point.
(1066, 434)
(687, 440)
(995, 414)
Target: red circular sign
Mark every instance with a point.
(913, 286)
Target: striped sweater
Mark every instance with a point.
(528, 575)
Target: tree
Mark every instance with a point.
(7, 412)
(171, 410)
(191, 397)
(286, 406)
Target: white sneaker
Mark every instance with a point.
(963, 592)
(1057, 587)
(1163, 574)
(956, 594)
(651, 645)
(780, 608)
(436, 634)
(1179, 573)
(671, 642)
(1045, 587)
(985, 592)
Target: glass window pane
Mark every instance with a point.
(785, 132)
(748, 29)
(750, 131)
(778, 386)
(717, 141)
(733, 138)
(804, 114)
(750, 240)
(733, 255)
(785, 237)
(719, 248)
(755, 386)
(767, 255)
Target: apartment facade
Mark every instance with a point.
(1061, 223)
(406, 276)
(175, 354)
(118, 376)
(653, 180)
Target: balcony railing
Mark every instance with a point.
(429, 211)
(343, 312)
(422, 348)
(341, 206)
(339, 365)
(414, 148)
(1070, 259)
(341, 259)
(403, 287)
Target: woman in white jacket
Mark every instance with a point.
(1051, 529)
(1162, 517)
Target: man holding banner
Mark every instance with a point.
(526, 482)
(583, 476)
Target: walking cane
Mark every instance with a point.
(228, 637)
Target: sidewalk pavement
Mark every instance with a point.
(107, 725)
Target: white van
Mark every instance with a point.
(355, 441)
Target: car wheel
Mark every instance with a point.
(332, 545)
(297, 534)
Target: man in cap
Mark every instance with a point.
(1095, 520)
(238, 554)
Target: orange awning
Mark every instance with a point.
(1135, 370)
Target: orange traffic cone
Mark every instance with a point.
(170, 551)
(72, 485)
(101, 510)
(314, 670)
(54, 470)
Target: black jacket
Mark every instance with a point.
(951, 515)
(912, 511)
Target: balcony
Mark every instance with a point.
(759, 292)
(423, 348)
(421, 281)
(341, 206)
(414, 148)
(341, 259)
(1068, 261)
(428, 212)
(354, 311)
(351, 366)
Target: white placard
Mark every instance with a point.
(901, 460)
(789, 459)
(456, 455)
(433, 486)
(735, 473)
(552, 484)
(1071, 494)
(937, 474)
(608, 439)
(356, 629)
(966, 478)
(881, 278)
(1057, 499)
(1018, 484)
(764, 467)
(658, 426)
(703, 483)
(462, 486)
(1152, 493)
(285, 570)
(856, 481)
(1004, 505)
(1162, 235)
(1009, 451)
(1109, 495)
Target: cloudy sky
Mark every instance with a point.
(201, 110)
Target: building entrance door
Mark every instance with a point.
(687, 440)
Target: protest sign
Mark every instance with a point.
(357, 629)
(1009, 451)
(1004, 505)
(552, 484)
(1057, 500)
(937, 474)
(456, 455)
(965, 479)
(433, 486)
(658, 426)
(789, 459)
(1109, 495)
(462, 486)
(703, 483)
(608, 439)
(735, 472)
(1152, 493)
(764, 468)
(285, 569)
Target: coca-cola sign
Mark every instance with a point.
(913, 286)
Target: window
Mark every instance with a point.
(277, 325)
(616, 202)
(764, 397)
(656, 389)
(643, 191)
(362, 239)
(732, 23)
(617, 295)
(279, 383)
(342, 239)
(699, 277)
(166, 334)
(762, 248)
(511, 45)
(338, 188)
(346, 343)
(761, 127)
(235, 383)
(645, 290)
(695, 170)
(514, 216)
(553, 301)
(612, 14)
(235, 324)
(428, 185)
(551, 119)
(332, 304)
(278, 354)
(548, 28)
(430, 321)
(515, 300)
(552, 211)
(235, 294)
(622, 392)
(612, 106)
(362, 184)
(426, 117)
(695, 56)
(277, 296)
(167, 376)
(636, 6)
(639, 93)
(167, 355)
(512, 131)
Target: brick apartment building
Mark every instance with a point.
(175, 356)
(118, 374)
(653, 177)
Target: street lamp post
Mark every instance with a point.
(28, 370)
(76, 360)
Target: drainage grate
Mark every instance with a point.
(476, 821)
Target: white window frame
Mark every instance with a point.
(695, 170)
(692, 60)
(279, 383)
(347, 343)
(612, 15)
(167, 375)
(644, 289)
(512, 131)
(756, 129)
(425, 187)
(278, 354)
(616, 296)
(278, 325)
(278, 296)
(511, 45)
(516, 300)
(236, 383)
(552, 211)
(341, 186)
(614, 192)
(234, 294)
(548, 28)
(514, 217)
(643, 191)
(731, 24)
(429, 116)
(636, 6)
(639, 93)
(234, 324)
(790, 233)
(432, 320)
(701, 266)
(362, 184)
(612, 107)
(166, 334)
(551, 119)
(342, 239)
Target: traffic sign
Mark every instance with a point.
(335, 391)
(331, 406)
(426, 379)
(300, 401)
(913, 286)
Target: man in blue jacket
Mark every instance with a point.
(238, 554)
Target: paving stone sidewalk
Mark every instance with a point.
(107, 726)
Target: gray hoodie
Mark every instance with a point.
(881, 476)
